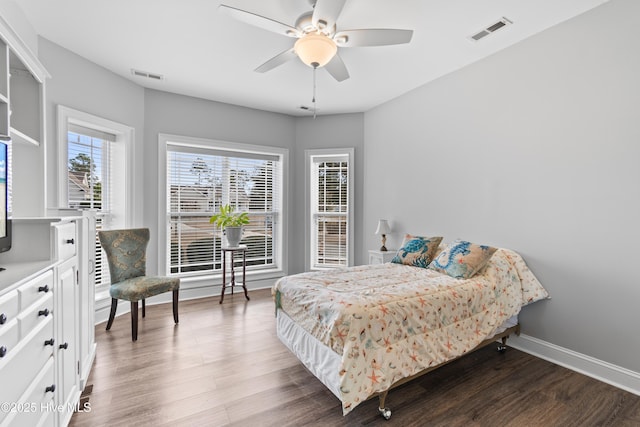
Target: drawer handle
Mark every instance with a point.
(70, 241)
(49, 342)
(3, 351)
(51, 388)
(44, 289)
(3, 319)
(44, 312)
(64, 346)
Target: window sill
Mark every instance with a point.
(193, 283)
(216, 278)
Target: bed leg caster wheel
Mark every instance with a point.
(503, 346)
(385, 412)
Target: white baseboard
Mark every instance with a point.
(617, 376)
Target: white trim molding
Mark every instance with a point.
(614, 375)
(125, 137)
(23, 52)
(164, 141)
(311, 156)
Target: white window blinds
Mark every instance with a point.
(199, 181)
(330, 211)
(89, 186)
(88, 169)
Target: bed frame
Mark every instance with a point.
(382, 396)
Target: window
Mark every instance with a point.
(88, 168)
(330, 201)
(88, 182)
(204, 176)
(92, 155)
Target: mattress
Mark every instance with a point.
(319, 359)
(378, 324)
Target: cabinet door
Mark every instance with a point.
(66, 344)
(86, 287)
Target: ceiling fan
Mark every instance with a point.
(318, 37)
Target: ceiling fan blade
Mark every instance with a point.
(277, 60)
(372, 37)
(337, 69)
(260, 21)
(326, 12)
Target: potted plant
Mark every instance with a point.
(231, 223)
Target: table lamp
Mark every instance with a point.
(383, 229)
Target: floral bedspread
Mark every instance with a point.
(391, 321)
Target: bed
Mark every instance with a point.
(366, 329)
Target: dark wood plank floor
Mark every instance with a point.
(224, 366)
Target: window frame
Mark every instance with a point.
(122, 150)
(310, 156)
(164, 262)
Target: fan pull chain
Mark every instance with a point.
(314, 89)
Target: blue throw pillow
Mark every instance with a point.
(462, 259)
(417, 251)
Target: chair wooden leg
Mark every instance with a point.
(175, 305)
(134, 320)
(112, 314)
(143, 308)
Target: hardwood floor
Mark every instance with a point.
(224, 366)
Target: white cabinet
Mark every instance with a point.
(25, 94)
(22, 118)
(65, 242)
(380, 257)
(22, 79)
(46, 349)
(26, 369)
(4, 88)
(66, 353)
(86, 295)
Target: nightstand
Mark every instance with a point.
(380, 257)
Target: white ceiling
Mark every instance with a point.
(205, 53)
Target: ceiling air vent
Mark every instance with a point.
(503, 22)
(146, 74)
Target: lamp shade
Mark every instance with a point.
(383, 227)
(315, 49)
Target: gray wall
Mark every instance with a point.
(334, 131)
(80, 84)
(535, 149)
(187, 116)
(85, 86)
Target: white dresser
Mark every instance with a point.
(47, 344)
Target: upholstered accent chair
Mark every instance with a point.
(127, 256)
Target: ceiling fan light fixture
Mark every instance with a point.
(315, 49)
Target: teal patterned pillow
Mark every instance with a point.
(462, 259)
(417, 251)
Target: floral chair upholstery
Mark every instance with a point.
(126, 253)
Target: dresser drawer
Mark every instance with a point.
(26, 361)
(48, 419)
(8, 308)
(39, 312)
(65, 240)
(36, 401)
(9, 337)
(36, 288)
